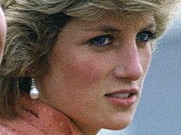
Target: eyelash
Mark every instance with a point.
(102, 41)
(108, 40)
(150, 36)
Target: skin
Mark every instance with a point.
(81, 73)
(2, 33)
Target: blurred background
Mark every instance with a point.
(159, 111)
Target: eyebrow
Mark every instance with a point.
(110, 29)
(104, 28)
(149, 26)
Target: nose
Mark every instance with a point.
(129, 65)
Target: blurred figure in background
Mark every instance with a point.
(2, 32)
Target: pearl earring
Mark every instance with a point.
(34, 92)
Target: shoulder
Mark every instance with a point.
(18, 126)
(37, 118)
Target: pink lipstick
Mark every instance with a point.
(123, 98)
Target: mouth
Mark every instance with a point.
(120, 95)
(123, 98)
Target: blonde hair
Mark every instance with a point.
(33, 26)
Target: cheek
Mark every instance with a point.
(82, 73)
(148, 59)
(79, 78)
(146, 56)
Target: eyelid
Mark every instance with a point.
(151, 35)
(111, 37)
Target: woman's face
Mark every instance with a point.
(97, 68)
(2, 32)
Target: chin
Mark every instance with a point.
(119, 126)
(119, 123)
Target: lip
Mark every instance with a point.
(123, 102)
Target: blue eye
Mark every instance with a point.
(101, 41)
(145, 36)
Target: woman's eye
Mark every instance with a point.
(101, 41)
(145, 36)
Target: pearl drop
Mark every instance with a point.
(34, 93)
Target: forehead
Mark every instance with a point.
(145, 16)
(137, 20)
